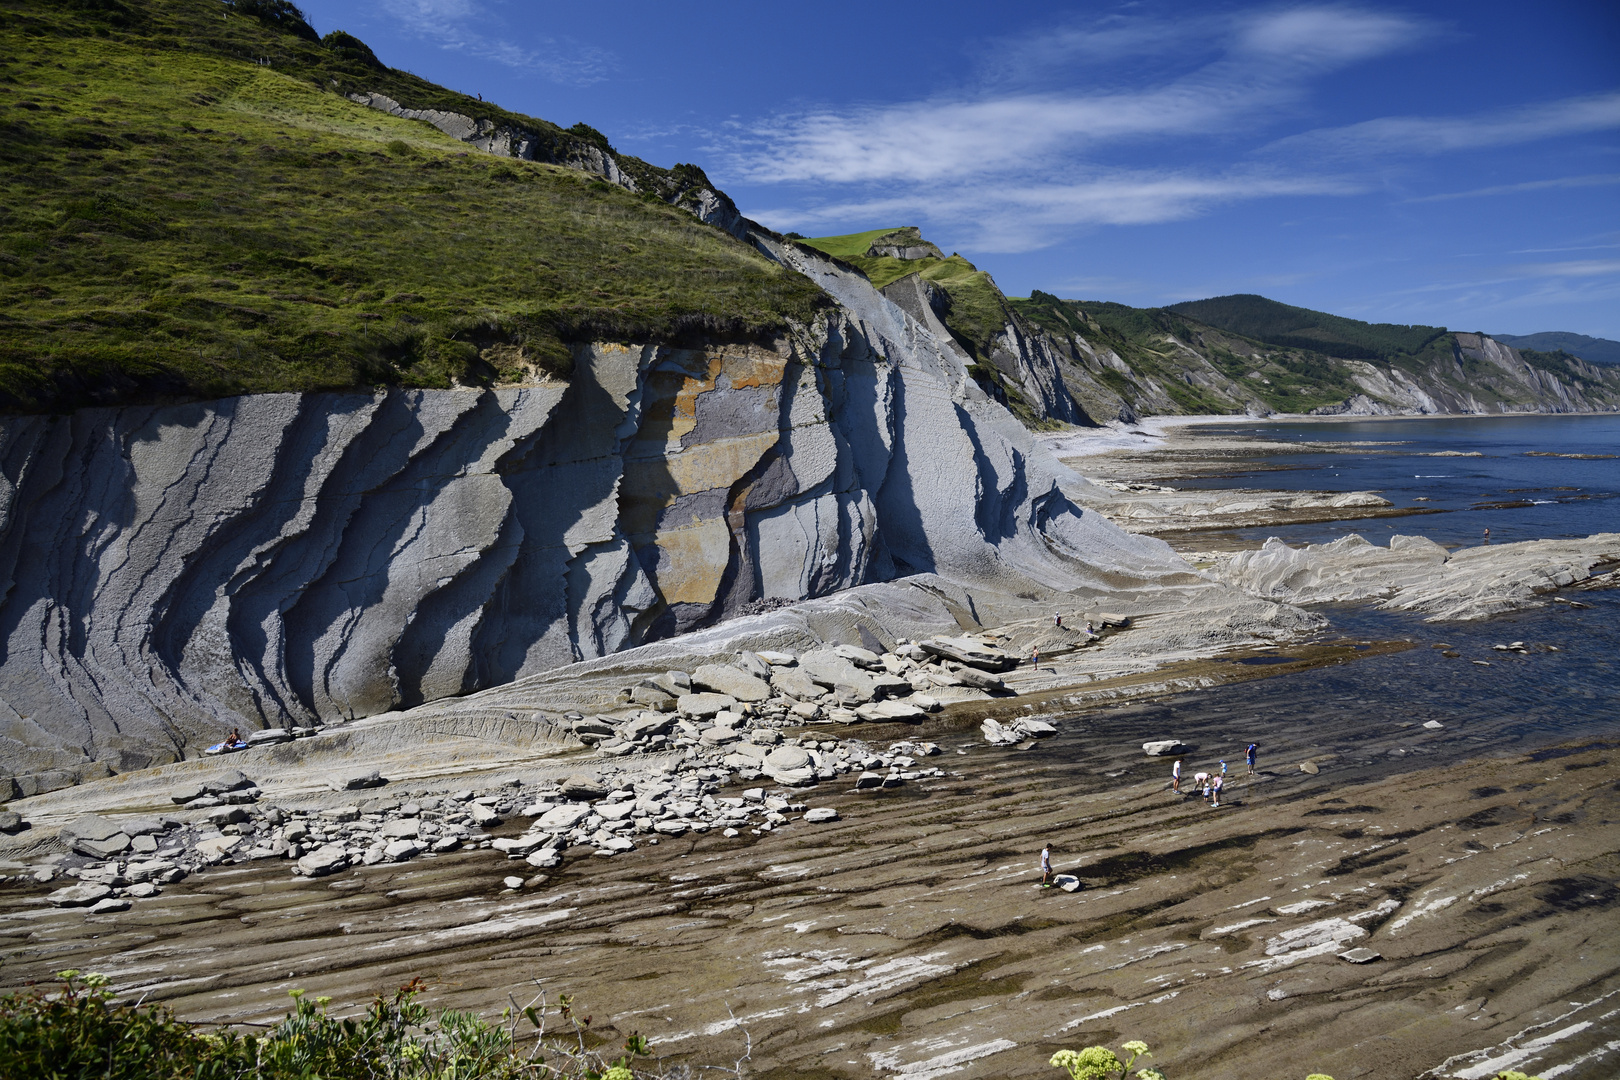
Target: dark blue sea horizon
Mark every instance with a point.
(1514, 487)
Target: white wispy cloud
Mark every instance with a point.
(1596, 180)
(1024, 151)
(1574, 268)
(1264, 64)
(466, 26)
(1424, 135)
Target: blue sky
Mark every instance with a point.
(1455, 164)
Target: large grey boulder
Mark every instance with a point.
(972, 652)
(560, 818)
(790, 765)
(79, 895)
(580, 786)
(795, 682)
(705, 705)
(328, 859)
(731, 681)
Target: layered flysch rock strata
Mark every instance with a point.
(1416, 574)
(284, 559)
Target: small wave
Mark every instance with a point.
(1543, 502)
(1431, 476)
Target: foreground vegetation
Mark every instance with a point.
(192, 207)
(79, 1030)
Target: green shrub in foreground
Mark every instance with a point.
(81, 1032)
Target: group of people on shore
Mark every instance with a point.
(1211, 783)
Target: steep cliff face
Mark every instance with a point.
(1478, 374)
(1146, 361)
(285, 557)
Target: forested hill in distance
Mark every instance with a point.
(1057, 360)
(1594, 350)
(1332, 335)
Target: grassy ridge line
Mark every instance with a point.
(179, 224)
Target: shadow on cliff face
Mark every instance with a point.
(562, 480)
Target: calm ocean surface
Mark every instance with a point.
(1510, 488)
(1369, 713)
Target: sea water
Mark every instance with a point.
(1368, 714)
(1527, 482)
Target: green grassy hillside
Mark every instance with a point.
(1294, 327)
(179, 220)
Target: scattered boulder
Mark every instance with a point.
(215, 849)
(647, 724)
(110, 905)
(594, 725)
(10, 821)
(754, 665)
(484, 817)
(513, 883)
(227, 815)
(1309, 767)
(979, 680)
(520, 847)
(580, 786)
(777, 659)
(563, 817)
(79, 895)
(545, 859)
(1163, 747)
(790, 765)
(858, 656)
(971, 652)
(402, 829)
(997, 735)
(1031, 728)
(1434, 725)
(328, 859)
(1067, 882)
(820, 814)
(1360, 955)
(733, 682)
(653, 696)
(868, 781)
(705, 705)
(885, 685)
(795, 683)
(372, 779)
(270, 737)
(400, 850)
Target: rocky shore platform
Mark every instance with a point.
(824, 818)
(1440, 922)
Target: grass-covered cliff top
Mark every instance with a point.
(178, 220)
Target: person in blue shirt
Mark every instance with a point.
(1251, 754)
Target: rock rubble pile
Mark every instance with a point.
(117, 860)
